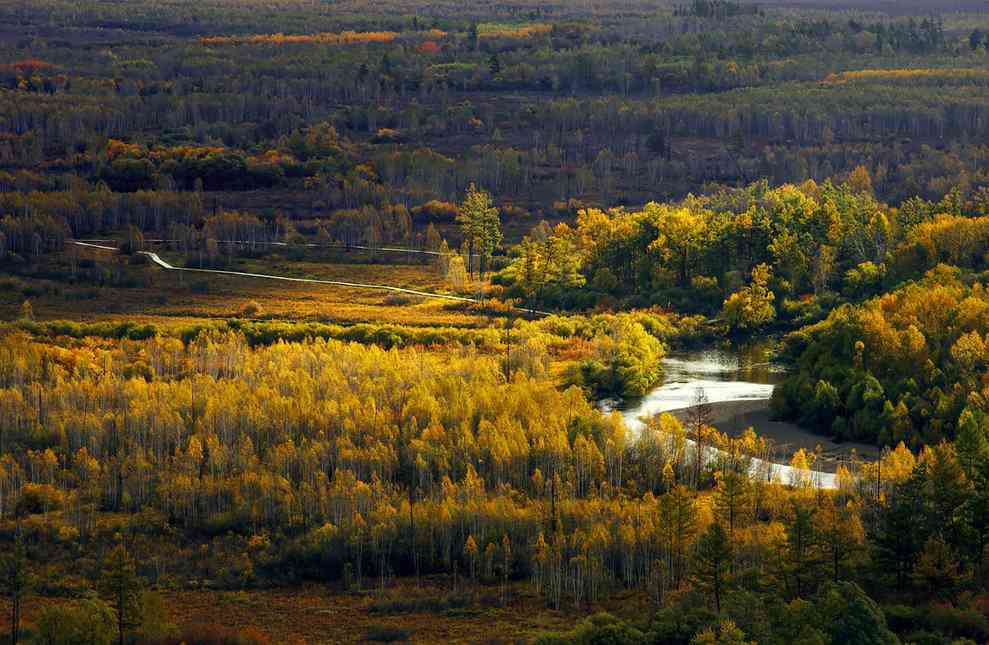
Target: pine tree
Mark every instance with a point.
(120, 584)
(481, 228)
(678, 524)
(731, 500)
(712, 562)
(17, 583)
(801, 549)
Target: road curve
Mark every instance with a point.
(154, 257)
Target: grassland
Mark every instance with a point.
(145, 293)
(405, 612)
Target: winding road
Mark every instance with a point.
(154, 257)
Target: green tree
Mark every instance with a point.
(713, 562)
(17, 583)
(850, 617)
(900, 533)
(481, 227)
(801, 549)
(121, 585)
(89, 621)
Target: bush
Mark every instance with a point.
(435, 212)
(509, 211)
(251, 310)
(383, 634)
(433, 604)
(215, 635)
(89, 621)
(401, 299)
(901, 618)
(960, 623)
(39, 498)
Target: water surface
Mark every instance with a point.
(725, 378)
(720, 375)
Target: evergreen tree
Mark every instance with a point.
(17, 583)
(712, 563)
(481, 228)
(731, 500)
(121, 585)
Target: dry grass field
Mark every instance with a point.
(314, 615)
(147, 293)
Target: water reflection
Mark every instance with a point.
(724, 374)
(745, 373)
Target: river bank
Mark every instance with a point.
(733, 417)
(737, 385)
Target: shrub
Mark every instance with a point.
(959, 623)
(89, 620)
(215, 635)
(433, 604)
(39, 498)
(384, 634)
(251, 310)
(436, 211)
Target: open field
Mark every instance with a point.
(316, 616)
(156, 294)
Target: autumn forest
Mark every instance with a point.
(625, 323)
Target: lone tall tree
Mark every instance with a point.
(698, 420)
(17, 582)
(481, 228)
(713, 562)
(121, 585)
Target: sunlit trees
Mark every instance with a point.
(625, 359)
(680, 239)
(751, 307)
(481, 228)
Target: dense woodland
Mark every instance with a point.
(586, 188)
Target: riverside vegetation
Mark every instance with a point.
(189, 455)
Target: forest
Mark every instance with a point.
(638, 323)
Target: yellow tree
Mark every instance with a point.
(680, 239)
(471, 550)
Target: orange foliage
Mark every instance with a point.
(116, 149)
(27, 67)
(428, 47)
(326, 38)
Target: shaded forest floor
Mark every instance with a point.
(315, 615)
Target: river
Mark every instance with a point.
(738, 383)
